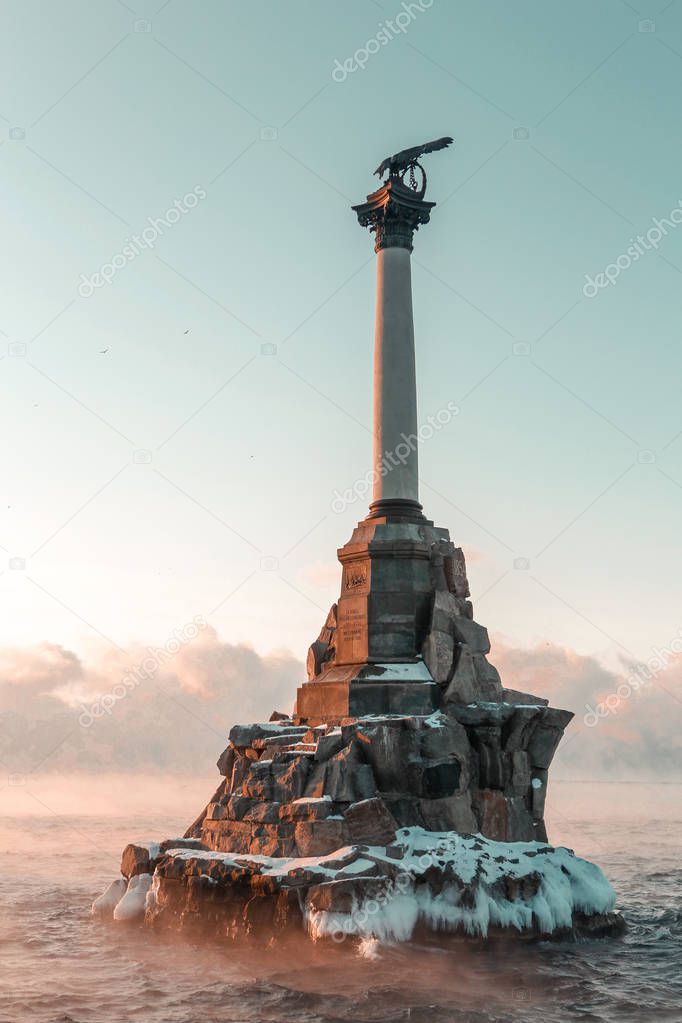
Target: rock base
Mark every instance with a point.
(419, 883)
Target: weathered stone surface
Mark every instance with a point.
(434, 779)
(316, 838)
(463, 686)
(538, 792)
(475, 636)
(451, 814)
(482, 713)
(456, 573)
(289, 775)
(215, 811)
(406, 810)
(315, 782)
(487, 678)
(134, 860)
(343, 896)
(517, 731)
(539, 831)
(236, 806)
(328, 745)
(307, 810)
(317, 653)
(244, 735)
(444, 609)
(520, 823)
(492, 772)
(547, 736)
(388, 750)
(520, 773)
(442, 737)
(492, 813)
(523, 699)
(225, 762)
(438, 652)
(370, 822)
(259, 783)
(262, 813)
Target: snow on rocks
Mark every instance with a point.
(106, 903)
(132, 906)
(421, 882)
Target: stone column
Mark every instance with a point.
(393, 213)
(395, 386)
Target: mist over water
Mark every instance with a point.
(60, 966)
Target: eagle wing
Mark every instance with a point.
(407, 156)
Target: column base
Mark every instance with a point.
(396, 509)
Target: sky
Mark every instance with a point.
(174, 436)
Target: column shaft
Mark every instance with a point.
(395, 389)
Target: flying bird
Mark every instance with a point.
(406, 158)
(104, 351)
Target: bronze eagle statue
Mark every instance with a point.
(400, 163)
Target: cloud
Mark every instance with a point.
(169, 709)
(638, 735)
(164, 711)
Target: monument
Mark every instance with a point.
(407, 788)
(402, 629)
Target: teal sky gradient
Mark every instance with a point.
(566, 455)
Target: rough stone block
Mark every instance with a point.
(475, 636)
(289, 775)
(328, 745)
(442, 736)
(343, 896)
(438, 652)
(463, 686)
(488, 678)
(451, 814)
(306, 810)
(492, 773)
(543, 744)
(517, 731)
(225, 762)
(259, 783)
(523, 699)
(538, 792)
(520, 823)
(244, 735)
(434, 779)
(315, 782)
(134, 860)
(539, 831)
(520, 773)
(317, 838)
(370, 822)
(445, 608)
(492, 813)
(388, 750)
(215, 812)
(237, 806)
(262, 813)
(406, 810)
